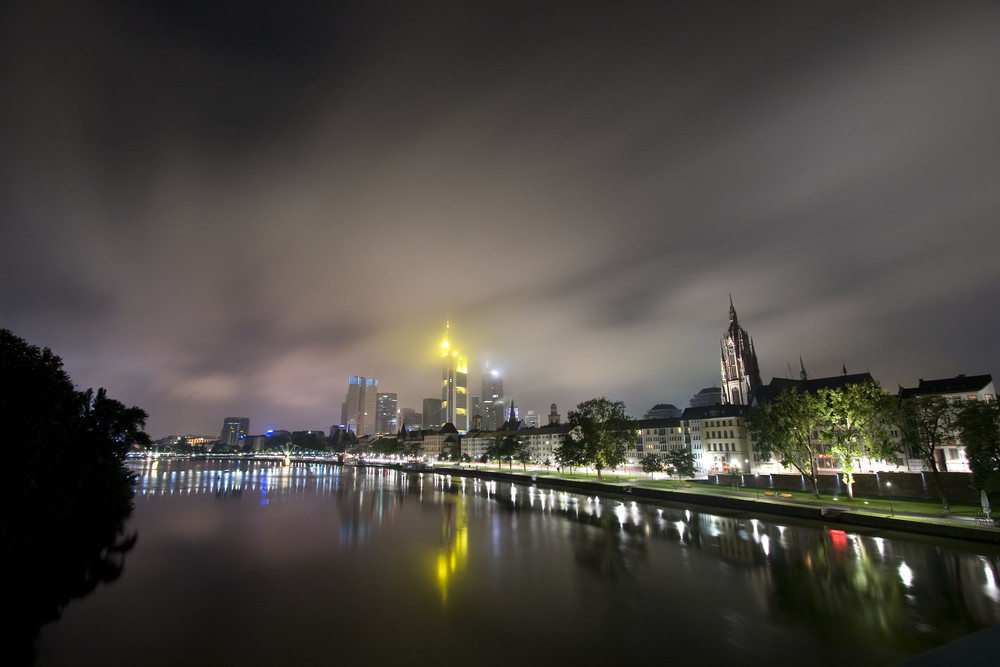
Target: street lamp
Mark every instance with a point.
(756, 483)
(891, 511)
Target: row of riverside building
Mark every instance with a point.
(717, 434)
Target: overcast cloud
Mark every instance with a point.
(228, 208)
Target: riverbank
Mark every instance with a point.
(793, 505)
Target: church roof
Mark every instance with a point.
(663, 422)
(955, 385)
(715, 411)
(770, 391)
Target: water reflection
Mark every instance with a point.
(455, 554)
(49, 563)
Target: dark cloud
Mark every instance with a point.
(228, 208)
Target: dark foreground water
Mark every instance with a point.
(250, 563)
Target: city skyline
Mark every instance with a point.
(211, 211)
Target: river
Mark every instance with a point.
(241, 562)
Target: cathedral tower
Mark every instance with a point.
(740, 373)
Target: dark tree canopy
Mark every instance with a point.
(978, 424)
(66, 492)
(926, 423)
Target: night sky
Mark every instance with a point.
(228, 208)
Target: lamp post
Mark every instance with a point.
(891, 511)
(756, 484)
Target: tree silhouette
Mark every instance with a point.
(66, 492)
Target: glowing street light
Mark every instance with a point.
(891, 511)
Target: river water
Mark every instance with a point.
(252, 563)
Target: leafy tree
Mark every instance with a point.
(570, 452)
(979, 428)
(681, 462)
(413, 448)
(503, 448)
(601, 433)
(387, 446)
(651, 463)
(784, 428)
(522, 452)
(857, 419)
(926, 423)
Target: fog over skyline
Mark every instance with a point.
(227, 209)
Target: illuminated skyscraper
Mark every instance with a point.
(454, 385)
(740, 374)
(385, 418)
(234, 431)
(361, 404)
(492, 400)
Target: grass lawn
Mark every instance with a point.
(930, 509)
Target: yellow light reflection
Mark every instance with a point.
(454, 544)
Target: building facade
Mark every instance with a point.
(656, 436)
(951, 455)
(361, 405)
(409, 419)
(431, 416)
(234, 431)
(386, 413)
(542, 442)
(492, 399)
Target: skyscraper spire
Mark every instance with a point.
(454, 385)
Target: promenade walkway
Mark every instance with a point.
(964, 521)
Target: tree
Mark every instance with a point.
(979, 428)
(66, 491)
(503, 448)
(601, 433)
(857, 425)
(522, 452)
(681, 462)
(926, 423)
(570, 452)
(413, 448)
(651, 463)
(785, 427)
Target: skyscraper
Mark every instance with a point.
(362, 400)
(385, 417)
(454, 385)
(234, 431)
(431, 414)
(740, 374)
(492, 400)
